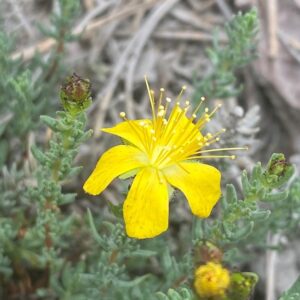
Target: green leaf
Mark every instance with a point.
(293, 293)
(95, 233)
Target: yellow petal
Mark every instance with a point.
(146, 209)
(112, 163)
(131, 131)
(200, 184)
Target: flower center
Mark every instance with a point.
(174, 134)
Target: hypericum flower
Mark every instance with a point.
(160, 152)
(211, 280)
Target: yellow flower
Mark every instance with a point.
(211, 280)
(160, 152)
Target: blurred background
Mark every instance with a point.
(114, 43)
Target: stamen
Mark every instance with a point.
(214, 138)
(199, 105)
(151, 98)
(162, 91)
(168, 100)
(178, 99)
(143, 139)
(212, 156)
(223, 149)
(215, 109)
(161, 113)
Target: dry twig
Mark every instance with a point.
(47, 44)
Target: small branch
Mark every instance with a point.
(271, 257)
(225, 9)
(273, 27)
(196, 36)
(21, 16)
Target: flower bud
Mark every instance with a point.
(211, 280)
(278, 171)
(75, 94)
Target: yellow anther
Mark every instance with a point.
(122, 114)
(168, 100)
(187, 103)
(161, 113)
(206, 109)
(233, 157)
(202, 98)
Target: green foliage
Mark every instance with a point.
(27, 90)
(35, 236)
(183, 294)
(293, 293)
(19, 105)
(239, 51)
(238, 218)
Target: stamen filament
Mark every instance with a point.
(223, 149)
(178, 99)
(211, 156)
(199, 106)
(152, 102)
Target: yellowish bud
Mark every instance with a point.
(211, 280)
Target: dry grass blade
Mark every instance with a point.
(46, 45)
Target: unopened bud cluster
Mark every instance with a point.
(75, 94)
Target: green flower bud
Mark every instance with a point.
(75, 94)
(242, 285)
(278, 171)
(277, 164)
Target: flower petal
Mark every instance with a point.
(200, 184)
(146, 209)
(131, 131)
(114, 162)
